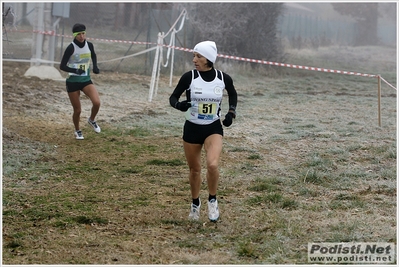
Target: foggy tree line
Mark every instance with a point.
(245, 29)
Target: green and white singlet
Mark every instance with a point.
(80, 60)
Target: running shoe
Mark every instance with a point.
(79, 135)
(213, 210)
(94, 124)
(194, 212)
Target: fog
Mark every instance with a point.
(255, 30)
(351, 28)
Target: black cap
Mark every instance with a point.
(78, 28)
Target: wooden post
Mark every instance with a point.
(379, 100)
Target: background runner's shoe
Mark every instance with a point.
(94, 124)
(213, 210)
(79, 135)
(195, 212)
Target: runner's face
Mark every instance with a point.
(81, 36)
(200, 62)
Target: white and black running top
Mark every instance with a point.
(204, 90)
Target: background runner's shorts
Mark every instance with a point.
(196, 134)
(76, 86)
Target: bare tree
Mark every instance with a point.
(242, 29)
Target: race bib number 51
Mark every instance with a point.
(207, 108)
(206, 111)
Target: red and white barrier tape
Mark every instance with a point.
(298, 66)
(291, 65)
(52, 33)
(282, 64)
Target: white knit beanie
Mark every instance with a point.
(207, 49)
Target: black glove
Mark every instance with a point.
(228, 119)
(79, 71)
(183, 106)
(96, 70)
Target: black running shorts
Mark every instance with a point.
(196, 133)
(76, 86)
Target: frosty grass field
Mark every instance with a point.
(305, 161)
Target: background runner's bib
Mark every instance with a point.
(80, 60)
(206, 98)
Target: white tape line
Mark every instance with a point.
(388, 83)
(133, 55)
